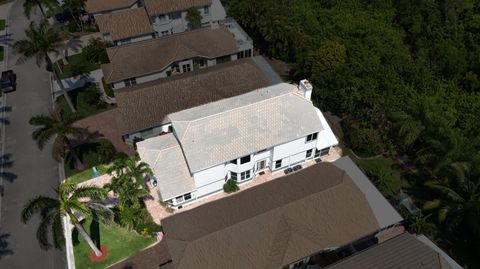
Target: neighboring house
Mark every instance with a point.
(97, 7)
(148, 60)
(126, 26)
(142, 109)
(237, 138)
(401, 252)
(169, 17)
(280, 223)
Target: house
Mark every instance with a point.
(403, 251)
(126, 26)
(152, 59)
(97, 7)
(169, 17)
(142, 109)
(278, 224)
(268, 129)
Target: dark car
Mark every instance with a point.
(8, 81)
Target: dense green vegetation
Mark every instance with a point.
(404, 77)
(86, 101)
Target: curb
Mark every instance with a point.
(66, 225)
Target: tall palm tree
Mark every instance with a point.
(42, 40)
(458, 204)
(59, 127)
(29, 5)
(132, 167)
(69, 201)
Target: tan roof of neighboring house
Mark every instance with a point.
(125, 24)
(152, 56)
(94, 6)
(403, 251)
(272, 224)
(146, 105)
(157, 7)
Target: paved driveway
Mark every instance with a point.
(32, 172)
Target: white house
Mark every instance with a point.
(157, 58)
(272, 128)
(169, 17)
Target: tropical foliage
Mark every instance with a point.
(58, 127)
(31, 5)
(405, 77)
(70, 200)
(194, 18)
(230, 186)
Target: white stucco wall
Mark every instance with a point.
(174, 26)
(133, 39)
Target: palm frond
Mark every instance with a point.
(36, 205)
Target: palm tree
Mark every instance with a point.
(458, 205)
(420, 224)
(41, 41)
(70, 200)
(127, 181)
(57, 126)
(29, 5)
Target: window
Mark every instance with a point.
(234, 161)
(248, 53)
(187, 196)
(186, 68)
(245, 159)
(311, 137)
(324, 151)
(179, 199)
(278, 164)
(205, 10)
(130, 82)
(183, 198)
(162, 17)
(176, 68)
(240, 55)
(245, 175)
(309, 153)
(164, 33)
(233, 176)
(317, 153)
(175, 15)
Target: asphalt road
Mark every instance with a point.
(29, 172)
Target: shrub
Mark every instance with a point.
(230, 186)
(384, 181)
(73, 27)
(194, 18)
(95, 51)
(364, 140)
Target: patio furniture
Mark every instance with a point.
(288, 171)
(297, 167)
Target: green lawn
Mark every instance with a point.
(87, 174)
(2, 25)
(86, 101)
(77, 59)
(120, 243)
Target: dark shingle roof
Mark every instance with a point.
(152, 56)
(402, 252)
(157, 7)
(125, 24)
(94, 6)
(145, 105)
(272, 224)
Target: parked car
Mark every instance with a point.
(8, 81)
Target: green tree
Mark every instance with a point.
(194, 18)
(96, 51)
(458, 204)
(30, 5)
(42, 40)
(330, 55)
(59, 127)
(70, 200)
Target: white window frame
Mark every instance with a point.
(281, 162)
(308, 153)
(130, 82)
(245, 175)
(311, 137)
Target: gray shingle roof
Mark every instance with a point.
(228, 129)
(146, 105)
(157, 7)
(165, 158)
(272, 224)
(402, 252)
(153, 55)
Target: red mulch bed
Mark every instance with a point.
(95, 258)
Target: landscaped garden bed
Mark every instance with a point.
(86, 101)
(75, 62)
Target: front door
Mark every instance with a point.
(261, 165)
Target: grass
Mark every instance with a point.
(77, 59)
(108, 89)
(120, 242)
(87, 174)
(2, 25)
(86, 101)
